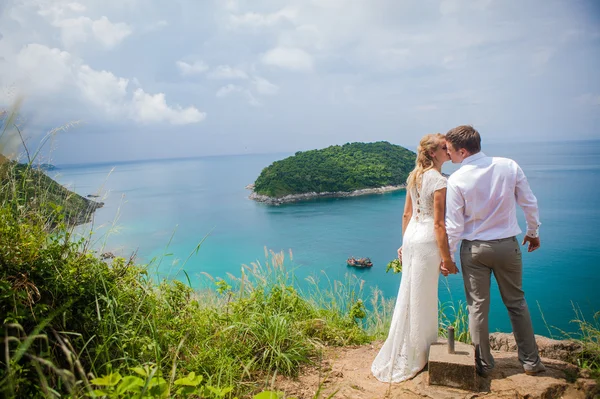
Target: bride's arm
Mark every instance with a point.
(405, 218)
(439, 227)
(408, 210)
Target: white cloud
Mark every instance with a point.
(148, 108)
(103, 89)
(77, 28)
(196, 68)
(44, 72)
(41, 70)
(108, 33)
(73, 30)
(229, 89)
(264, 87)
(293, 59)
(77, 7)
(257, 20)
(227, 72)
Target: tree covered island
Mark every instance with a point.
(336, 171)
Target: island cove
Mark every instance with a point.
(350, 170)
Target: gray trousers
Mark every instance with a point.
(502, 257)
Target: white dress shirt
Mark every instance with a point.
(481, 201)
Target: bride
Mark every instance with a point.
(424, 253)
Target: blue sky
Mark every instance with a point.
(161, 79)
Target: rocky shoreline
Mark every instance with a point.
(308, 196)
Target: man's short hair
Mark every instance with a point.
(466, 137)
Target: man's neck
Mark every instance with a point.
(469, 156)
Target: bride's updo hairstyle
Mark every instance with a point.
(429, 143)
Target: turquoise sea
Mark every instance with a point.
(162, 207)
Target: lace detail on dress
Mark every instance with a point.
(414, 323)
(432, 180)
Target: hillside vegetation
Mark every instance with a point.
(22, 185)
(352, 166)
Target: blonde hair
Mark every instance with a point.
(424, 162)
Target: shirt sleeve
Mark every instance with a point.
(455, 218)
(528, 202)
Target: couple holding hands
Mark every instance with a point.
(475, 205)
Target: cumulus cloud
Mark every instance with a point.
(42, 70)
(110, 34)
(195, 68)
(45, 72)
(258, 20)
(227, 72)
(293, 59)
(102, 88)
(77, 28)
(264, 87)
(148, 108)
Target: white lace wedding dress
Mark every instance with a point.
(415, 321)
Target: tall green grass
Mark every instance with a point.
(73, 324)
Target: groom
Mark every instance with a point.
(481, 204)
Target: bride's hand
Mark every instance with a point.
(400, 253)
(443, 269)
(450, 266)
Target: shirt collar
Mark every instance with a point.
(473, 158)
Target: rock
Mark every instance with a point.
(308, 196)
(566, 350)
(456, 369)
(589, 387)
(107, 255)
(348, 372)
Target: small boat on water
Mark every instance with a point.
(360, 262)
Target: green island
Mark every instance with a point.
(336, 171)
(78, 325)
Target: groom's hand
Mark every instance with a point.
(443, 270)
(448, 267)
(534, 243)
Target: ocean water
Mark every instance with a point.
(162, 209)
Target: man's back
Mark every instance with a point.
(485, 191)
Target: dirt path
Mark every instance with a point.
(347, 371)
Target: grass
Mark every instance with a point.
(587, 334)
(78, 325)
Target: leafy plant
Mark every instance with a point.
(394, 265)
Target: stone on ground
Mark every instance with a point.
(456, 370)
